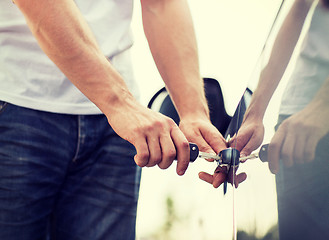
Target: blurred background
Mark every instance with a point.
(231, 35)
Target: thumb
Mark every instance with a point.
(232, 141)
(239, 142)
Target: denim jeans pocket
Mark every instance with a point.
(3, 105)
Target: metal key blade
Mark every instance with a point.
(251, 156)
(262, 154)
(209, 156)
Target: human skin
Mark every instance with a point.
(251, 132)
(66, 38)
(296, 139)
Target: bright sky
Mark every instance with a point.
(230, 37)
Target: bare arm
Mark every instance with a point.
(298, 136)
(66, 38)
(283, 48)
(169, 29)
(252, 131)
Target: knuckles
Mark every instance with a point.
(170, 154)
(155, 160)
(287, 158)
(142, 159)
(154, 126)
(184, 144)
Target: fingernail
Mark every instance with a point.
(181, 172)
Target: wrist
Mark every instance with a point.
(193, 110)
(258, 104)
(118, 101)
(254, 113)
(192, 102)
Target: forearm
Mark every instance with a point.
(66, 38)
(281, 53)
(169, 29)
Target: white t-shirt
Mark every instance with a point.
(312, 65)
(28, 78)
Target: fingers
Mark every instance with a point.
(168, 152)
(292, 144)
(310, 148)
(285, 147)
(204, 147)
(213, 141)
(220, 175)
(243, 143)
(274, 150)
(163, 151)
(149, 154)
(241, 177)
(182, 150)
(250, 147)
(155, 156)
(206, 177)
(216, 180)
(160, 142)
(287, 150)
(236, 179)
(239, 145)
(249, 138)
(142, 156)
(204, 134)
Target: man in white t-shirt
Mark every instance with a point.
(70, 120)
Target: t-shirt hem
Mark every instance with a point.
(87, 108)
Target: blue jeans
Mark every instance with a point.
(303, 197)
(64, 177)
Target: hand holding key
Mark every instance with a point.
(228, 161)
(224, 156)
